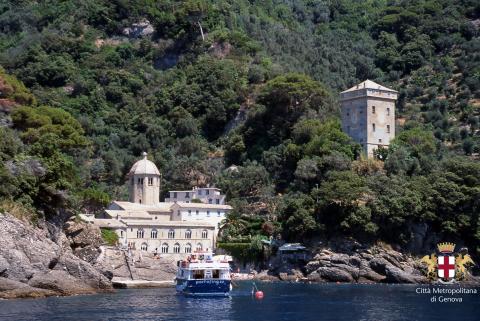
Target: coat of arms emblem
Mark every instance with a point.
(447, 266)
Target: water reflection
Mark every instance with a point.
(282, 302)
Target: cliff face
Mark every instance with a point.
(33, 265)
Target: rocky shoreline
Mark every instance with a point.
(33, 265)
(351, 263)
(41, 261)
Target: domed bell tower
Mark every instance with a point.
(144, 182)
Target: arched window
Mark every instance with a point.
(176, 248)
(188, 248)
(154, 234)
(140, 234)
(164, 248)
(204, 234)
(188, 234)
(171, 234)
(199, 247)
(144, 247)
(121, 233)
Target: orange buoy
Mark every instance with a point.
(259, 295)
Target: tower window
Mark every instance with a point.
(373, 127)
(388, 129)
(140, 234)
(150, 181)
(171, 234)
(388, 111)
(373, 109)
(153, 234)
(204, 234)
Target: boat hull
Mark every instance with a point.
(204, 287)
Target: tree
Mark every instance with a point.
(296, 212)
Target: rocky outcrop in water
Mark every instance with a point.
(33, 265)
(351, 262)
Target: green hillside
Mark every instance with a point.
(253, 84)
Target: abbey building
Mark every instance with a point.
(176, 226)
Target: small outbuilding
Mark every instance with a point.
(292, 251)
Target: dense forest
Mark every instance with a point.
(244, 95)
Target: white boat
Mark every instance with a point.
(202, 274)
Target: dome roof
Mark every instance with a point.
(144, 167)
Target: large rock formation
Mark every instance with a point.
(345, 261)
(85, 240)
(141, 265)
(33, 265)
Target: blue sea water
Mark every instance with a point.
(283, 301)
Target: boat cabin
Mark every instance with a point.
(203, 266)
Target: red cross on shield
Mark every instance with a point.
(446, 266)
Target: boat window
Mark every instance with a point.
(198, 274)
(208, 274)
(215, 274)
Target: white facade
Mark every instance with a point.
(194, 212)
(207, 195)
(145, 223)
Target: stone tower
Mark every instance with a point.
(144, 182)
(368, 115)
